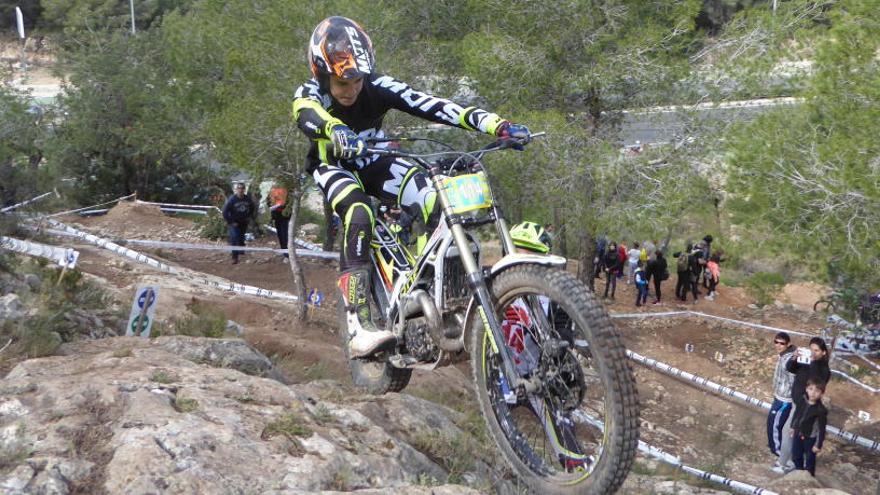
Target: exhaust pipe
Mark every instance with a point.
(419, 302)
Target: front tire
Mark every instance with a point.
(599, 361)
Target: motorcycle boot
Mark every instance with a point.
(364, 339)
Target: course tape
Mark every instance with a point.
(305, 244)
(175, 205)
(211, 247)
(62, 213)
(27, 202)
(747, 324)
(199, 279)
(752, 401)
(670, 459)
(706, 315)
(856, 382)
(65, 257)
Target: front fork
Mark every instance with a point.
(477, 284)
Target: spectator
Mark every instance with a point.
(696, 264)
(682, 267)
(634, 254)
(815, 364)
(659, 271)
(707, 250)
(621, 254)
(809, 427)
(277, 203)
(641, 285)
(612, 268)
(713, 271)
(548, 235)
(781, 407)
(237, 212)
(650, 249)
(599, 260)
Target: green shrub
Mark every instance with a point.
(764, 286)
(212, 226)
(203, 321)
(288, 425)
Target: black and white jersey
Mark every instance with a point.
(316, 112)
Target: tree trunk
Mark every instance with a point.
(299, 283)
(329, 231)
(585, 258)
(559, 224)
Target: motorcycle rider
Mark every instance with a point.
(338, 109)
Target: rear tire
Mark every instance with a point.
(613, 456)
(375, 377)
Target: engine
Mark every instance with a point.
(419, 343)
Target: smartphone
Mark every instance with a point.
(803, 355)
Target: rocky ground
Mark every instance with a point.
(165, 416)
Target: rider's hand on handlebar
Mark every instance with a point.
(516, 132)
(347, 144)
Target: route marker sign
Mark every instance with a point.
(142, 310)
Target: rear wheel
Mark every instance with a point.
(578, 433)
(374, 375)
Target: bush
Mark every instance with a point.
(764, 286)
(212, 226)
(203, 320)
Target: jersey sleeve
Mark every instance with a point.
(399, 95)
(310, 111)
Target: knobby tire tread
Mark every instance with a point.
(620, 451)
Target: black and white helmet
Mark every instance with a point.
(340, 47)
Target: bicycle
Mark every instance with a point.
(551, 377)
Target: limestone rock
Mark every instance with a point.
(223, 353)
(127, 415)
(11, 308)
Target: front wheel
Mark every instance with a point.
(577, 433)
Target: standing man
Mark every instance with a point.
(237, 211)
(277, 203)
(781, 408)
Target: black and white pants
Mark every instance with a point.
(390, 180)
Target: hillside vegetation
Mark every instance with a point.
(204, 88)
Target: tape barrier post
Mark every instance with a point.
(215, 282)
(752, 401)
(670, 459)
(65, 257)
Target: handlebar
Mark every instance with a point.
(454, 158)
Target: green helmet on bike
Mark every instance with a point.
(530, 236)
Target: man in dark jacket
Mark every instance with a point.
(237, 211)
(613, 266)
